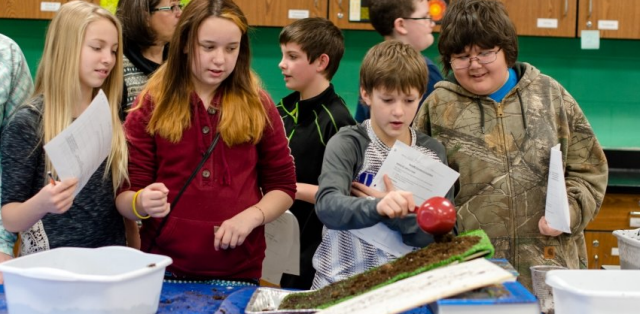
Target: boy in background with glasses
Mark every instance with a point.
(498, 120)
(409, 22)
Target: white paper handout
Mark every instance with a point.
(556, 211)
(283, 248)
(409, 170)
(79, 150)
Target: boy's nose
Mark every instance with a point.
(474, 63)
(397, 110)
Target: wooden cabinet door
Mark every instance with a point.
(339, 14)
(32, 9)
(618, 211)
(281, 12)
(602, 249)
(555, 18)
(614, 18)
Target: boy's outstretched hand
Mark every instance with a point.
(395, 204)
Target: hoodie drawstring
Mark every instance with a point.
(479, 103)
(524, 120)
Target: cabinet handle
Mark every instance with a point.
(634, 213)
(566, 7)
(595, 258)
(596, 243)
(590, 8)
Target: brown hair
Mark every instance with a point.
(134, 16)
(383, 13)
(393, 66)
(484, 23)
(244, 116)
(316, 36)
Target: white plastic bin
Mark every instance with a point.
(595, 291)
(106, 280)
(629, 248)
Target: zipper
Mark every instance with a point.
(512, 209)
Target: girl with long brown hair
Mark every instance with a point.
(205, 90)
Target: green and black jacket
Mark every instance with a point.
(309, 124)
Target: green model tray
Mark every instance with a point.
(482, 249)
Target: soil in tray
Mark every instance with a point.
(364, 282)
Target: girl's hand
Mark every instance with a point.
(545, 229)
(153, 200)
(234, 231)
(395, 204)
(57, 198)
(361, 190)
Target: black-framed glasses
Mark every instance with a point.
(174, 8)
(430, 19)
(485, 57)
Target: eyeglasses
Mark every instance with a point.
(485, 57)
(429, 19)
(174, 8)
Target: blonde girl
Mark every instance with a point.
(82, 54)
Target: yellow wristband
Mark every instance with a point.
(133, 204)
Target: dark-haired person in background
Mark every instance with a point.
(147, 28)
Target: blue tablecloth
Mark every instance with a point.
(184, 298)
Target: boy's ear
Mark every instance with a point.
(323, 62)
(398, 26)
(366, 98)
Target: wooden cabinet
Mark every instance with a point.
(614, 18)
(32, 9)
(281, 12)
(566, 18)
(555, 18)
(618, 211)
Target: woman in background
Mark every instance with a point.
(147, 28)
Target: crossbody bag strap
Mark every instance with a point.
(184, 187)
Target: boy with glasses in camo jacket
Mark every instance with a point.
(498, 120)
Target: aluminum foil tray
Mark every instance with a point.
(267, 300)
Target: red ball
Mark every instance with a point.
(436, 216)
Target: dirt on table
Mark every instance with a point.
(356, 285)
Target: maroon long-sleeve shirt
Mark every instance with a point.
(231, 180)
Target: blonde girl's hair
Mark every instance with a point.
(243, 114)
(58, 81)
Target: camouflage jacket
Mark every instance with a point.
(502, 152)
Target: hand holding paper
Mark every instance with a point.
(79, 150)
